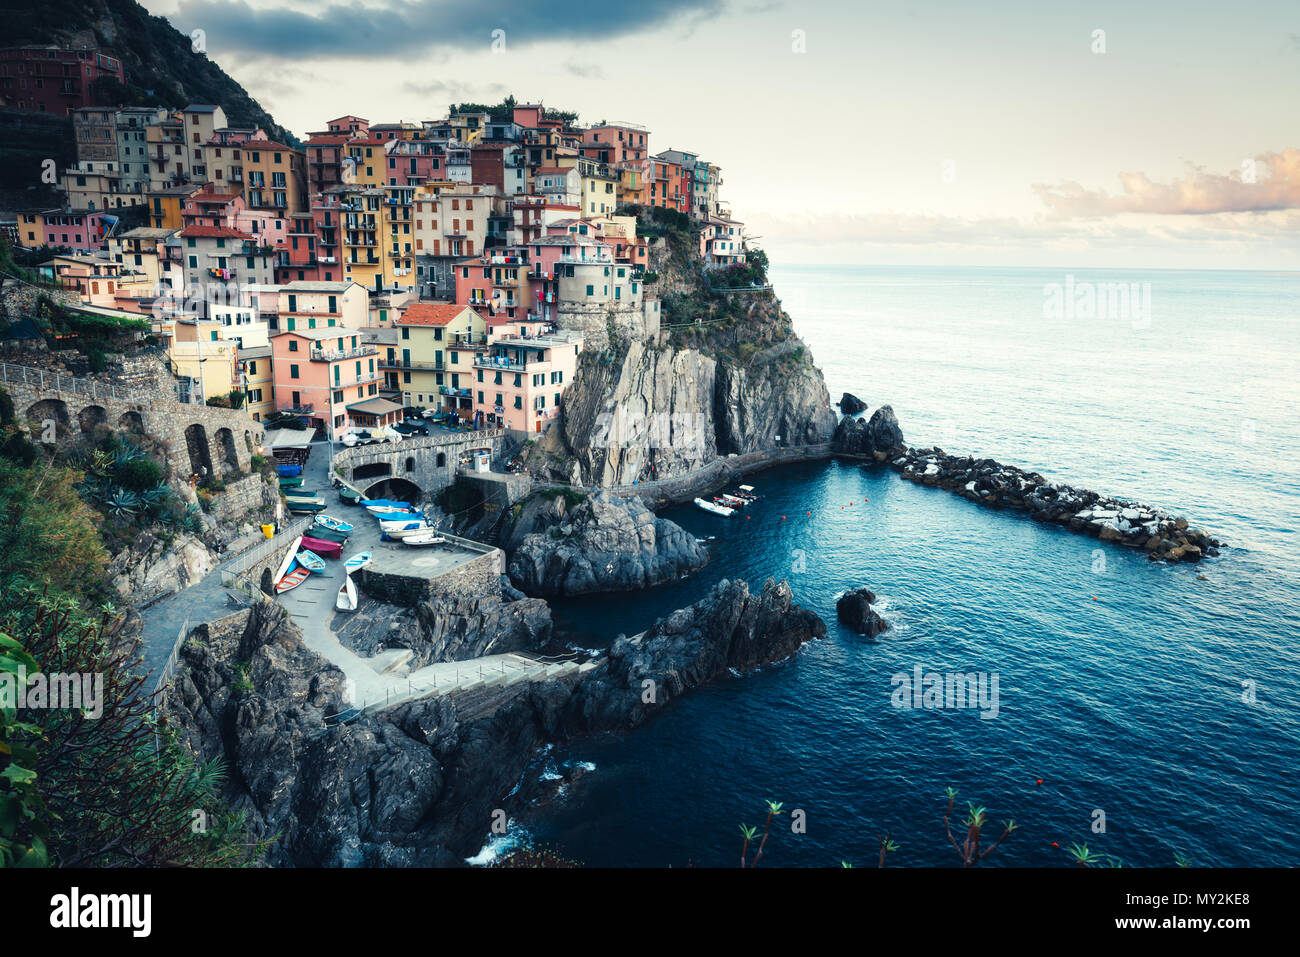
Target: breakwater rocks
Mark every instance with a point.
(854, 609)
(603, 543)
(1162, 536)
(419, 784)
(850, 404)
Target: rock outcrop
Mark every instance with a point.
(1164, 537)
(854, 609)
(418, 784)
(879, 436)
(604, 543)
(850, 404)
(449, 629)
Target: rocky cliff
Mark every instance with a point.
(603, 543)
(418, 784)
(727, 375)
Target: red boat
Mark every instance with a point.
(292, 580)
(323, 548)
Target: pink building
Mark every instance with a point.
(330, 377)
(520, 381)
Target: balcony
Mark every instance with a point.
(307, 409)
(334, 355)
(466, 339)
(411, 365)
(500, 362)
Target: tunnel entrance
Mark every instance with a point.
(399, 489)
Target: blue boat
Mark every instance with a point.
(289, 471)
(311, 561)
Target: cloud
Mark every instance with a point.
(394, 27)
(1269, 182)
(455, 91)
(585, 71)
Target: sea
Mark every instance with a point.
(1147, 713)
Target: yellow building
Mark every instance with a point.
(434, 356)
(274, 176)
(165, 206)
(197, 349)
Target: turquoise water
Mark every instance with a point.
(1121, 683)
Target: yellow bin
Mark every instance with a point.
(268, 530)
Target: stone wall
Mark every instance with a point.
(194, 436)
(429, 462)
(478, 577)
(243, 501)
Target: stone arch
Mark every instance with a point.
(442, 460)
(410, 463)
(46, 411)
(400, 489)
(372, 470)
(131, 422)
(196, 443)
(268, 586)
(226, 449)
(91, 416)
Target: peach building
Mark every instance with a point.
(331, 377)
(519, 382)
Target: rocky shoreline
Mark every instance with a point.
(419, 784)
(1161, 535)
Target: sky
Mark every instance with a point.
(1096, 134)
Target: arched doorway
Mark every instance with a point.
(131, 422)
(91, 416)
(226, 449)
(399, 489)
(49, 417)
(268, 586)
(371, 470)
(196, 443)
(442, 460)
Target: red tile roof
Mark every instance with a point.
(430, 314)
(215, 232)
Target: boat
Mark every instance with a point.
(288, 471)
(291, 494)
(347, 600)
(310, 560)
(349, 496)
(321, 548)
(334, 523)
(714, 508)
(412, 530)
(747, 488)
(306, 505)
(294, 482)
(391, 522)
(732, 501)
(295, 577)
(424, 537)
(326, 535)
(356, 562)
(383, 506)
(290, 561)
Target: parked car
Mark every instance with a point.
(412, 428)
(370, 436)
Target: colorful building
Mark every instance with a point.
(330, 376)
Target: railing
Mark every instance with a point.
(48, 381)
(332, 355)
(411, 364)
(235, 574)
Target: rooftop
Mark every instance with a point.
(431, 313)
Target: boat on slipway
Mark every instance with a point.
(356, 562)
(335, 524)
(311, 561)
(424, 537)
(347, 599)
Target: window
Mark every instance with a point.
(293, 343)
(519, 402)
(293, 372)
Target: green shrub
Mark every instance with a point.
(139, 475)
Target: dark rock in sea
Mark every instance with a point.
(879, 436)
(850, 404)
(418, 784)
(605, 543)
(854, 609)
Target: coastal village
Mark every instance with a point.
(445, 269)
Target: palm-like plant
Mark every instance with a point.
(773, 810)
(976, 817)
(124, 502)
(1082, 856)
(1182, 860)
(886, 845)
(749, 833)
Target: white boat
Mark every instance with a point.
(715, 509)
(356, 562)
(288, 560)
(388, 523)
(747, 488)
(347, 600)
(733, 501)
(426, 537)
(333, 524)
(402, 534)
